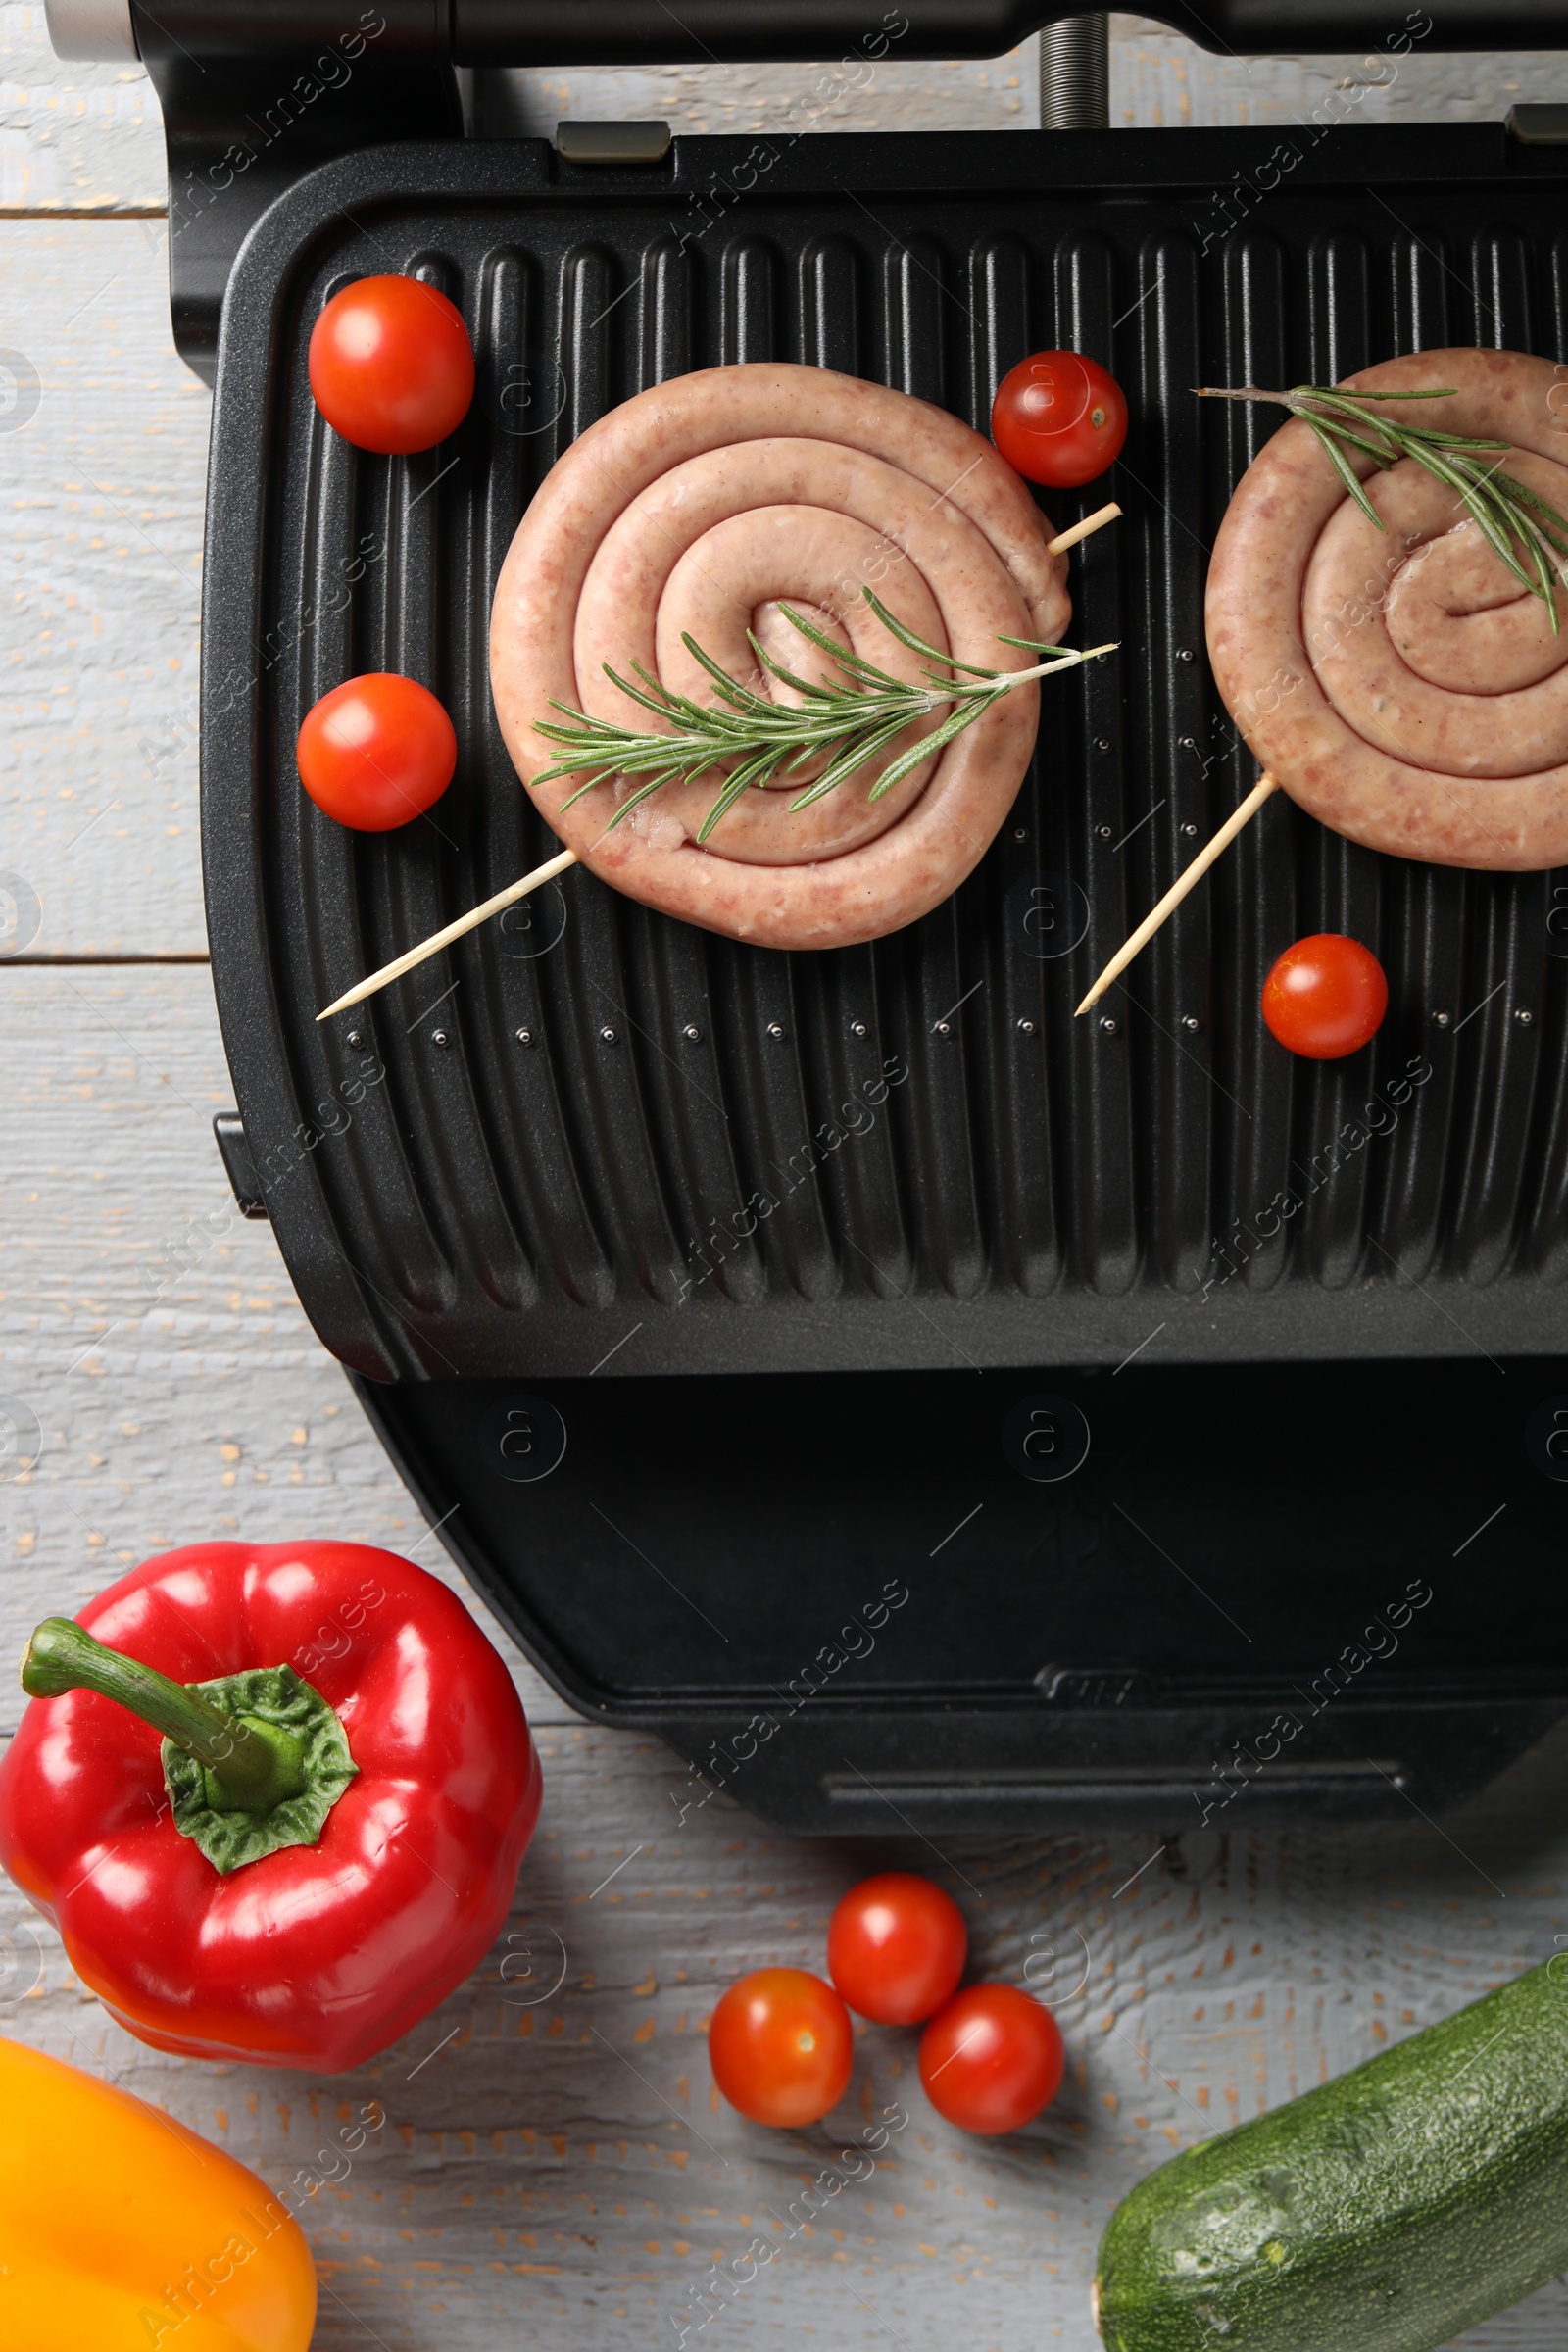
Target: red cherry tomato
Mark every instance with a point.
(895, 1948)
(1325, 996)
(1060, 419)
(377, 752)
(391, 365)
(991, 2059)
(781, 2047)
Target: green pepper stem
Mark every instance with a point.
(252, 1766)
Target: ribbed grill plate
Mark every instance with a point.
(1022, 1189)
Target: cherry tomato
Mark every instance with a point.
(991, 2059)
(895, 1948)
(781, 2047)
(377, 752)
(1325, 996)
(1060, 419)
(391, 365)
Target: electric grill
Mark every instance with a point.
(1092, 1437)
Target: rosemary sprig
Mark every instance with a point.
(855, 721)
(1512, 515)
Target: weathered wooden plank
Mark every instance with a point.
(127, 1253)
(1160, 81)
(102, 459)
(856, 92)
(73, 137)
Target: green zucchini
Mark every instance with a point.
(1384, 2212)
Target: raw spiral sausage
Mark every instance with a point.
(696, 507)
(1400, 684)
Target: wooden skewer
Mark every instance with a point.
(1091, 523)
(559, 864)
(1178, 889)
(443, 938)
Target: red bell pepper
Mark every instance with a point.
(279, 1880)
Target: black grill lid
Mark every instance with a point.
(555, 1148)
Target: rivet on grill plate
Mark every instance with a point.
(1442, 1019)
(355, 1038)
(1190, 1020)
(1110, 1023)
(1102, 743)
(1020, 832)
(1187, 743)
(439, 1037)
(1184, 654)
(691, 1034)
(1524, 1017)
(1026, 1028)
(858, 1029)
(606, 1037)
(942, 1029)
(524, 1037)
(1189, 829)
(1104, 831)
(775, 1028)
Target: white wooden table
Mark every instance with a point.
(562, 2171)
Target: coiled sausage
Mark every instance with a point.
(1400, 684)
(699, 507)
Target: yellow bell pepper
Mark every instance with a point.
(122, 2232)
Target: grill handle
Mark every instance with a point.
(517, 32)
(887, 1771)
(520, 32)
